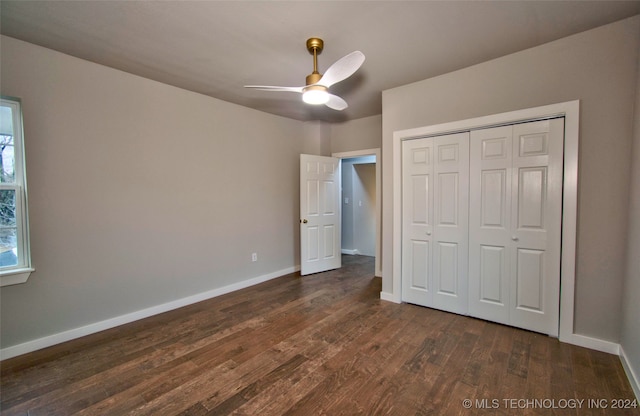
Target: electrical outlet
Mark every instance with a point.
(254, 256)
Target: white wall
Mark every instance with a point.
(597, 67)
(630, 332)
(141, 193)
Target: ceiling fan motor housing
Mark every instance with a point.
(315, 44)
(313, 78)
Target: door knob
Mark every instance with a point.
(428, 232)
(514, 238)
(304, 221)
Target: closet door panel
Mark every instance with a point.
(492, 275)
(451, 226)
(532, 195)
(448, 199)
(490, 223)
(493, 195)
(419, 265)
(417, 221)
(537, 225)
(447, 272)
(435, 222)
(530, 280)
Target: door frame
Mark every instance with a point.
(371, 152)
(570, 111)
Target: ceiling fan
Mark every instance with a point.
(316, 90)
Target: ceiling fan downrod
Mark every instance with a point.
(314, 46)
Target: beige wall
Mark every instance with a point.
(141, 193)
(360, 134)
(316, 138)
(598, 68)
(630, 332)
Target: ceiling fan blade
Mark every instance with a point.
(341, 69)
(274, 88)
(336, 103)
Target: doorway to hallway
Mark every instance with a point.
(360, 199)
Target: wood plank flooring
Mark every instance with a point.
(318, 345)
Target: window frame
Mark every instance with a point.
(20, 272)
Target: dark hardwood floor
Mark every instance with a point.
(322, 344)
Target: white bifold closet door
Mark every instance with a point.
(435, 222)
(481, 223)
(515, 224)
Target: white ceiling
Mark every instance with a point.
(216, 47)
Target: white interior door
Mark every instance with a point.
(435, 222)
(320, 216)
(515, 226)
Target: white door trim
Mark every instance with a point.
(372, 152)
(570, 110)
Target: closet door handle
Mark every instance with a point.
(428, 232)
(514, 238)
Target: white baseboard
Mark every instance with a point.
(69, 335)
(592, 343)
(350, 252)
(389, 297)
(631, 375)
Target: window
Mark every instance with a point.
(15, 261)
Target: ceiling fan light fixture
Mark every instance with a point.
(316, 95)
(316, 90)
